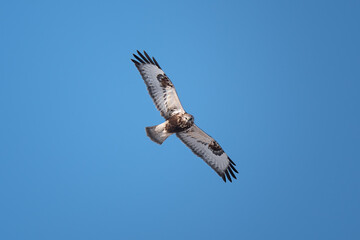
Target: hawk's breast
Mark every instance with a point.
(179, 122)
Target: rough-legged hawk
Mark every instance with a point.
(178, 121)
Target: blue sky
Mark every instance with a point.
(275, 82)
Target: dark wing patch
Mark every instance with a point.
(164, 80)
(215, 148)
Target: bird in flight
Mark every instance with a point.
(177, 121)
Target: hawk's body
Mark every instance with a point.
(178, 121)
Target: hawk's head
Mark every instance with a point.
(188, 118)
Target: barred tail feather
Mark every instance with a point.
(157, 133)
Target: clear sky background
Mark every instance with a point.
(276, 83)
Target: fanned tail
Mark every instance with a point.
(157, 133)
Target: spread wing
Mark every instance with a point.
(209, 150)
(159, 86)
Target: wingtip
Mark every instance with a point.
(228, 176)
(231, 161)
(231, 173)
(156, 63)
(141, 59)
(134, 61)
(233, 168)
(149, 58)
